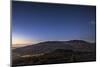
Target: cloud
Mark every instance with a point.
(93, 22)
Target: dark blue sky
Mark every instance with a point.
(43, 22)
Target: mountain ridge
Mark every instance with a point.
(48, 46)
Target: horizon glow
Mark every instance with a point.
(36, 22)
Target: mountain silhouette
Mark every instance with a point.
(50, 52)
(45, 47)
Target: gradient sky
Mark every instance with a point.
(35, 22)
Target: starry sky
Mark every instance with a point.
(35, 22)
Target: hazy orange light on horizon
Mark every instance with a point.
(22, 42)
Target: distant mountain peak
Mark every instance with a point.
(77, 41)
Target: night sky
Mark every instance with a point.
(35, 22)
